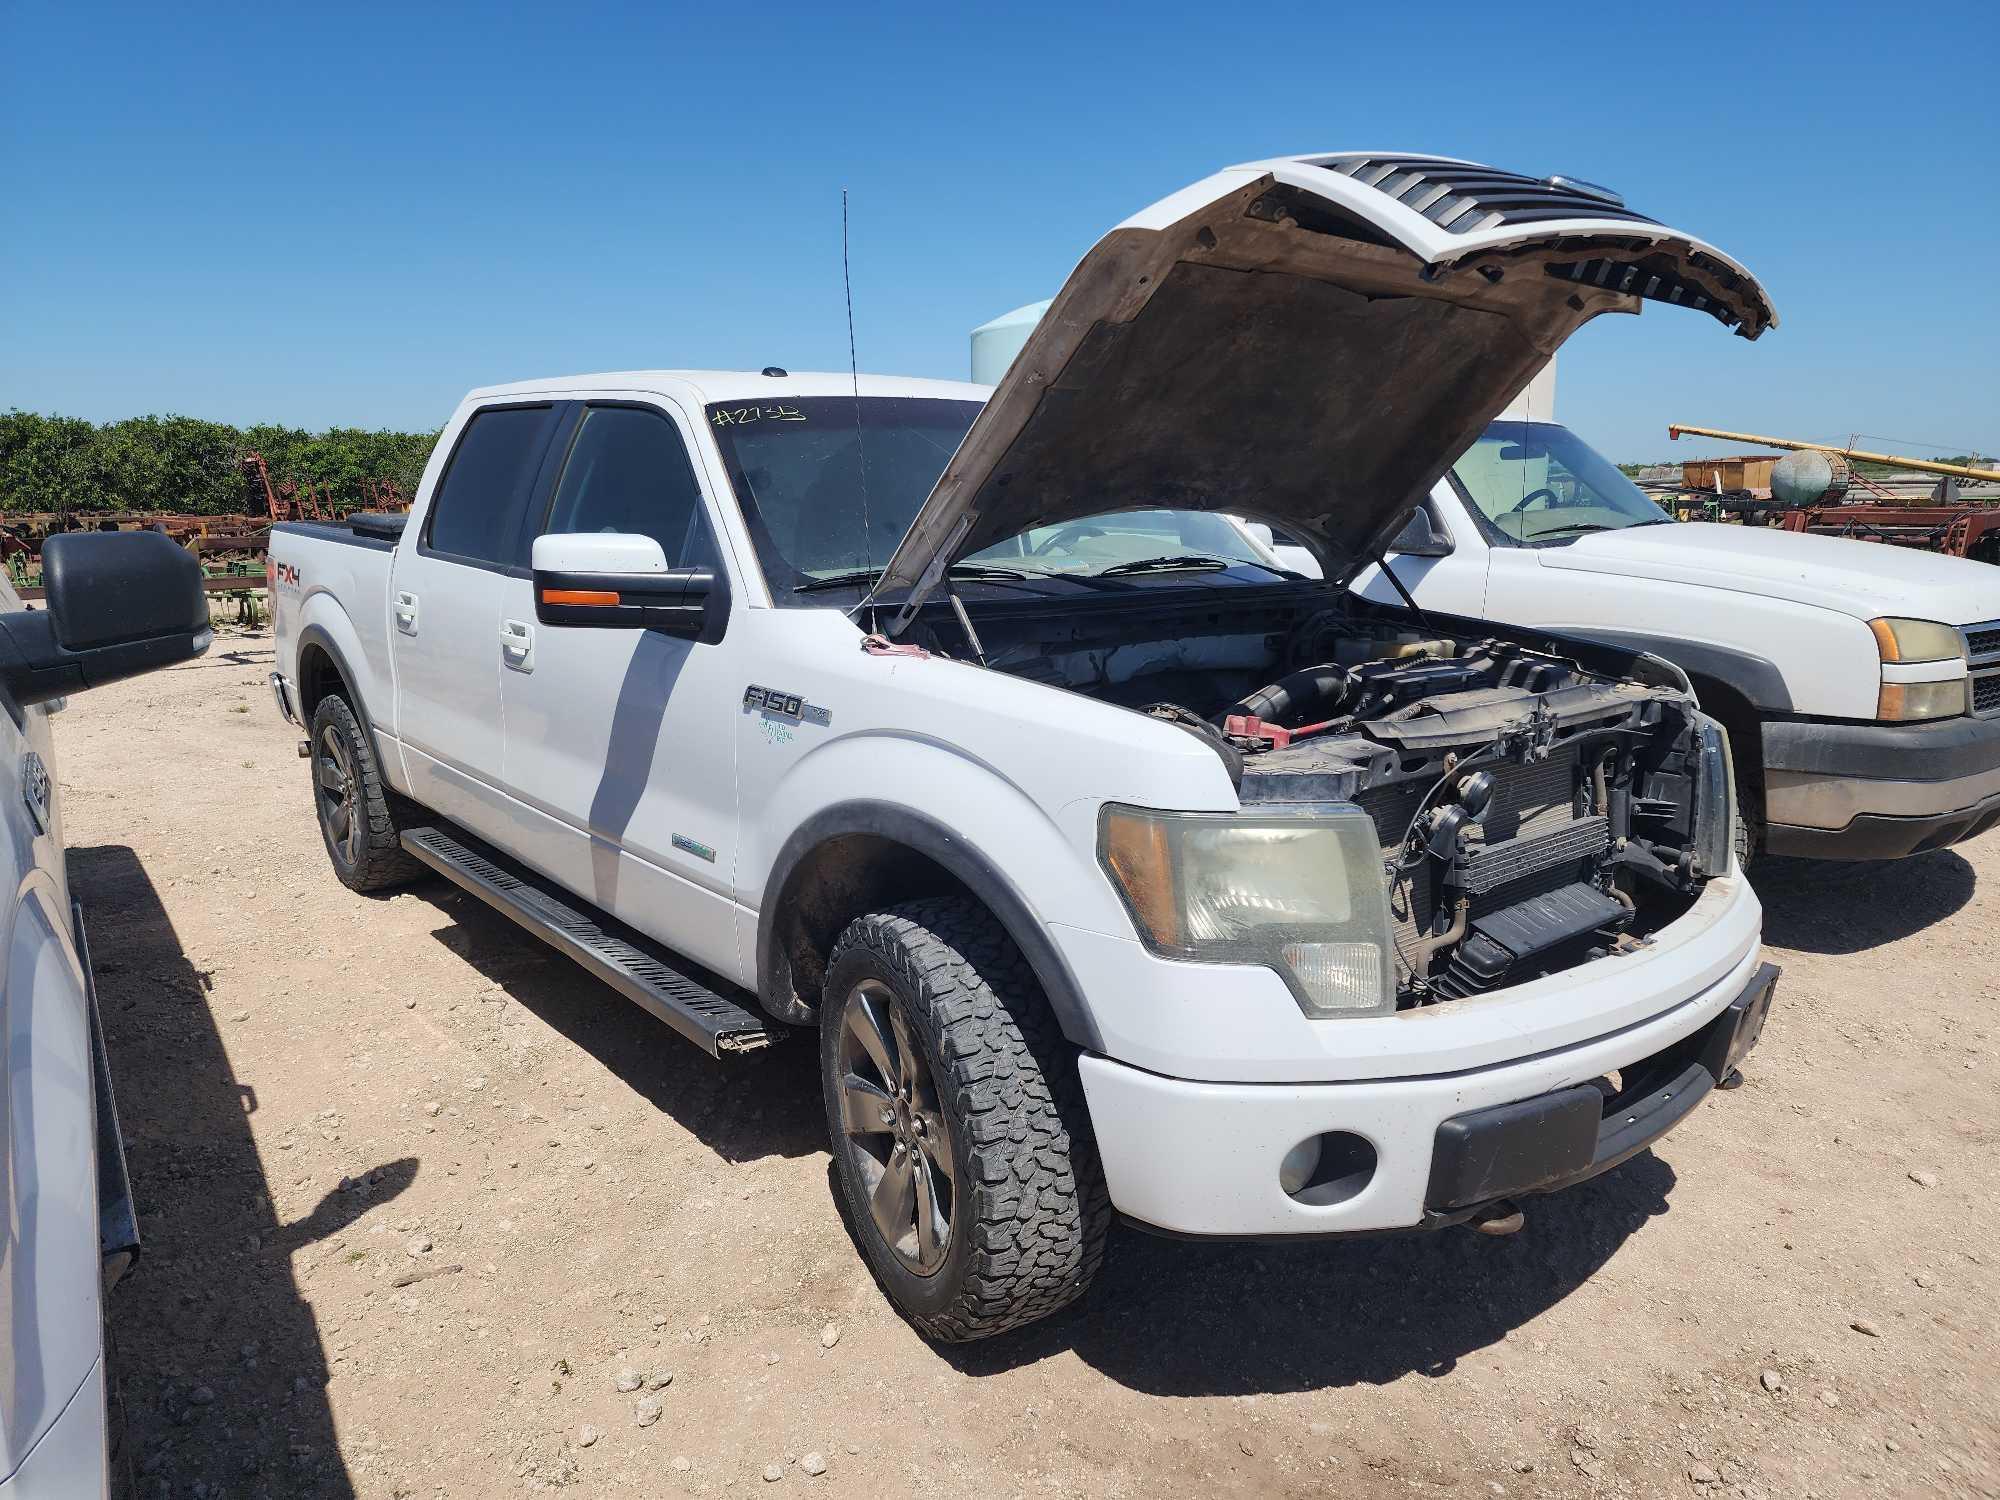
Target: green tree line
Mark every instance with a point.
(185, 465)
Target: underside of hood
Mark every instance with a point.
(1291, 342)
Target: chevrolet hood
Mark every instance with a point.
(1846, 575)
(1309, 341)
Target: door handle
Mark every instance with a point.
(406, 613)
(517, 644)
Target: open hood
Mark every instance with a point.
(1310, 341)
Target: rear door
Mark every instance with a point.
(446, 602)
(620, 742)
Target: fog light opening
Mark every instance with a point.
(1322, 1170)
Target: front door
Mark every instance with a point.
(620, 742)
(445, 610)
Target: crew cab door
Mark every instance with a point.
(619, 742)
(446, 606)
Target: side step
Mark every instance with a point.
(694, 1010)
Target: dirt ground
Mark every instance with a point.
(324, 1094)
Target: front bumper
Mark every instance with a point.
(1203, 1159)
(1878, 791)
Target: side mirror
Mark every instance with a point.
(616, 581)
(118, 603)
(1260, 531)
(1419, 539)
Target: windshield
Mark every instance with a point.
(1536, 482)
(829, 484)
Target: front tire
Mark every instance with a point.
(357, 811)
(1745, 831)
(960, 1137)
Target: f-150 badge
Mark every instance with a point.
(35, 790)
(785, 706)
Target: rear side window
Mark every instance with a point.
(628, 471)
(476, 513)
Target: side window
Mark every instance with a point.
(476, 513)
(628, 471)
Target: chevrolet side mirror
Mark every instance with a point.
(118, 603)
(618, 581)
(1419, 538)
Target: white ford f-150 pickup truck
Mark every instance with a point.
(1117, 868)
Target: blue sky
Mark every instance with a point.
(347, 215)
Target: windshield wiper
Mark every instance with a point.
(981, 572)
(1173, 562)
(847, 580)
(1575, 528)
(1191, 562)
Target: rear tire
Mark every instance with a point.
(357, 813)
(958, 1122)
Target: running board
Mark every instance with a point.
(705, 1018)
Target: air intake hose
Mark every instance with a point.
(1299, 697)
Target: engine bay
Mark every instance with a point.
(1533, 813)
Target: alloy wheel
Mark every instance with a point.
(334, 784)
(892, 1129)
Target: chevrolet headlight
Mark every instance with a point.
(1917, 640)
(1909, 643)
(1301, 892)
(1904, 701)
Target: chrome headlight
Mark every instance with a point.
(1715, 798)
(1301, 892)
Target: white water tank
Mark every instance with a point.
(995, 344)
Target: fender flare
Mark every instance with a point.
(318, 636)
(1757, 678)
(980, 876)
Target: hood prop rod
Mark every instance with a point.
(965, 622)
(1381, 560)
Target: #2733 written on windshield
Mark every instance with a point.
(740, 415)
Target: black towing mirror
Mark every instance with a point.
(1419, 538)
(621, 582)
(118, 603)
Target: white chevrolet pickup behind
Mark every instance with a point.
(1117, 868)
(1860, 683)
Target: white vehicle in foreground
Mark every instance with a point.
(1117, 868)
(116, 605)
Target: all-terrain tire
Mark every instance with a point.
(1029, 1214)
(1744, 831)
(367, 854)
